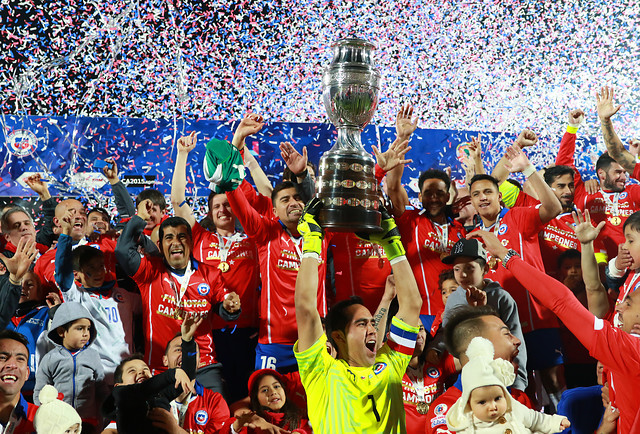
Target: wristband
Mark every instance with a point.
(571, 129)
(379, 173)
(394, 250)
(302, 174)
(13, 282)
(529, 170)
(314, 255)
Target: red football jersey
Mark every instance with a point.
(361, 268)
(280, 254)
(611, 207)
(518, 229)
(240, 271)
(433, 384)
(199, 290)
(426, 244)
(206, 414)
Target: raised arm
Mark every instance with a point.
(597, 298)
(179, 180)
(382, 312)
(11, 285)
(615, 148)
(64, 262)
(249, 125)
(127, 250)
(409, 299)
(307, 316)
(297, 164)
(550, 206)
(45, 235)
(124, 203)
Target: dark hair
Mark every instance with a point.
(554, 172)
(154, 196)
(282, 186)
(166, 349)
(117, 375)
(444, 276)
(173, 222)
(434, 174)
(633, 221)
(287, 174)
(336, 319)
(483, 177)
(604, 162)
(566, 255)
(83, 254)
(465, 323)
(292, 414)
(4, 220)
(15, 336)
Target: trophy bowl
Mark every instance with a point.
(347, 185)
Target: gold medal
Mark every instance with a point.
(493, 262)
(223, 266)
(615, 220)
(422, 407)
(178, 314)
(380, 263)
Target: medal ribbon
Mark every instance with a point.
(184, 283)
(225, 244)
(297, 243)
(612, 203)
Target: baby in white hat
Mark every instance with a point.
(55, 416)
(486, 406)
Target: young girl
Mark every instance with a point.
(268, 395)
(486, 406)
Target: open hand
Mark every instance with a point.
(295, 161)
(394, 156)
(405, 126)
(187, 143)
(604, 103)
(585, 231)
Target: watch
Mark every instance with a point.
(510, 254)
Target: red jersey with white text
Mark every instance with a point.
(518, 229)
(240, 271)
(361, 268)
(611, 207)
(426, 390)
(206, 414)
(162, 291)
(427, 243)
(280, 254)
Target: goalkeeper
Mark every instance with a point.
(361, 390)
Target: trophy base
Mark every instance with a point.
(349, 193)
(349, 220)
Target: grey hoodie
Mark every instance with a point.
(76, 374)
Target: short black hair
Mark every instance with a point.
(336, 320)
(465, 323)
(83, 254)
(173, 222)
(633, 222)
(117, 375)
(434, 174)
(154, 196)
(102, 211)
(554, 172)
(15, 336)
(282, 186)
(568, 254)
(166, 348)
(604, 162)
(484, 177)
(514, 183)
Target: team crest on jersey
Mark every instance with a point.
(118, 297)
(201, 417)
(203, 289)
(502, 229)
(379, 367)
(440, 409)
(623, 195)
(433, 373)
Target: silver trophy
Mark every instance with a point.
(347, 185)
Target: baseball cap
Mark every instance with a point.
(467, 249)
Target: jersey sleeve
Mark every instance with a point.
(400, 345)
(528, 219)
(252, 222)
(636, 172)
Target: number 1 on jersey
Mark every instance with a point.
(375, 410)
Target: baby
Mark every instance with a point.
(486, 406)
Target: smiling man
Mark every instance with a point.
(172, 286)
(361, 390)
(16, 414)
(280, 252)
(235, 254)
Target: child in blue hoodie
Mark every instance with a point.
(72, 367)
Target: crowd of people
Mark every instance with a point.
(495, 307)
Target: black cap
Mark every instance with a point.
(466, 249)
